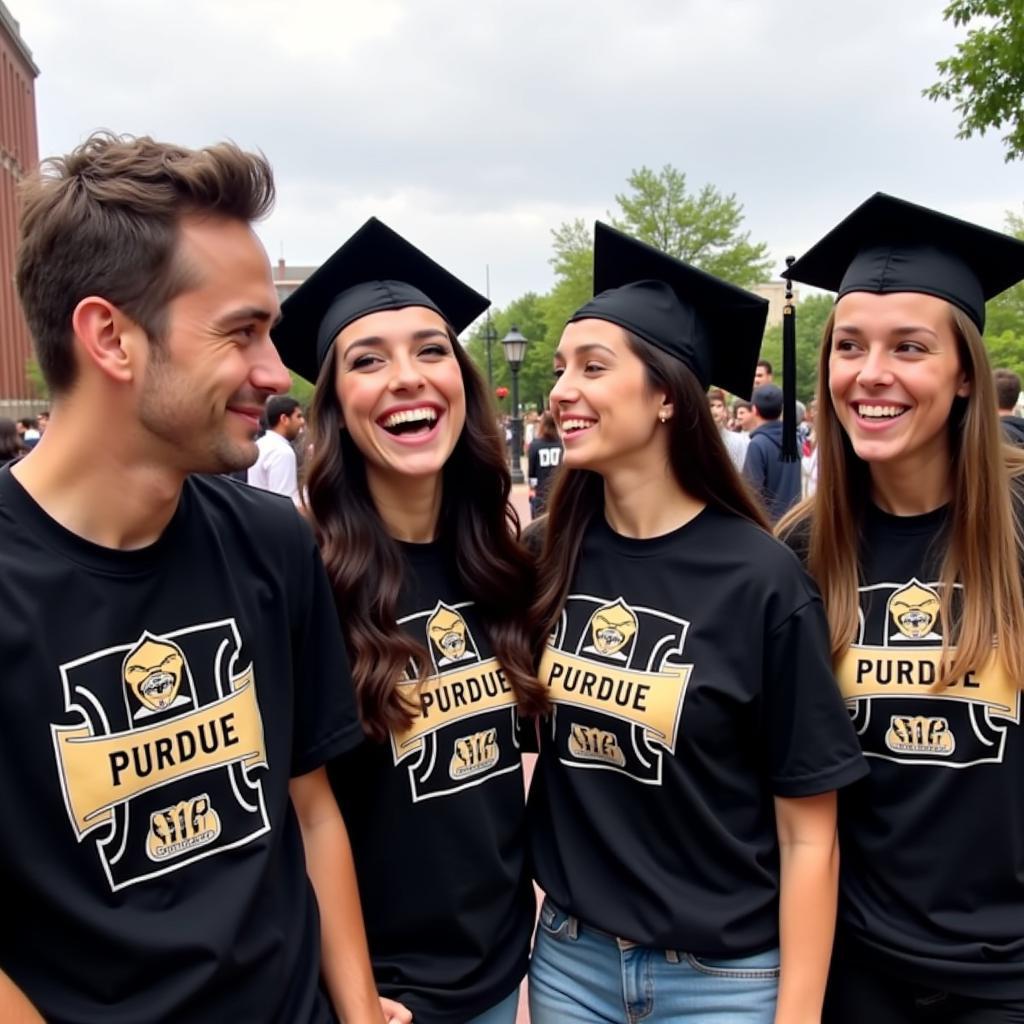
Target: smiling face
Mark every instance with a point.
(203, 387)
(894, 370)
(606, 412)
(400, 391)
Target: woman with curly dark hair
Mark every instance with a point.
(407, 490)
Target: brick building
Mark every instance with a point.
(19, 154)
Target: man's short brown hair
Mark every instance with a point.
(1007, 388)
(104, 220)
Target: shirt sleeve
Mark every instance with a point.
(809, 743)
(326, 718)
(531, 464)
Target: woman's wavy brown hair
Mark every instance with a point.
(984, 544)
(477, 527)
(699, 461)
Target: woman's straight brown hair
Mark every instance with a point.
(984, 541)
(477, 527)
(699, 462)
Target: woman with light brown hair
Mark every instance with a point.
(408, 494)
(914, 537)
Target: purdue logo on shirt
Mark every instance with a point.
(466, 727)
(618, 685)
(889, 677)
(157, 763)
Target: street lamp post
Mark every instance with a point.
(514, 345)
(489, 341)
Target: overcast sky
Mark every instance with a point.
(473, 127)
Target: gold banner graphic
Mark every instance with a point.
(100, 772)
(455, 695)
(891, 672)
(652, 700)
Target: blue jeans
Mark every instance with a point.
(503, 1013)
(579, 975)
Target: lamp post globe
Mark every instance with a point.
(514, 345)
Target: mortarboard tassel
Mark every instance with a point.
(789, 451)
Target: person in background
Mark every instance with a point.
(777, 482)
(275, 468)
(735, 441)
(542, 460)
(743, 412)
(1007, 385)
(29, 432)
(763, 374)
(11, 446)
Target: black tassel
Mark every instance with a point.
(789, 449)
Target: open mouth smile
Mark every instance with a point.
(575, 425)
(878, 413)
(413, 425)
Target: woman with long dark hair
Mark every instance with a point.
(914, 535)
(683, 807)
(407, 491)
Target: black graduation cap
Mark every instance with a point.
(375, 269)
(890, 245)
(713, 327)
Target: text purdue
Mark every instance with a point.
(905, 672)
(462, 693)
(627, 693)
(169, 751)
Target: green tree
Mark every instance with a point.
(36, 380)
(811, 314)
(573, 264)
(1006, 351)
(702, 228)
(1005, 313)
(535, 377)
(301, 390)
(985, 78)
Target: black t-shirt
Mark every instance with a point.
(543, 459)
(437, 820)
(155, 704)
(933, 839)
(692, 684)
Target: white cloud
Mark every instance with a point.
(475, 126)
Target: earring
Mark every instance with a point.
(662, 417)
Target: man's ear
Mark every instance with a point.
(107, 338)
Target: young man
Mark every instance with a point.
(275, 468)
(763, 374)
(173, 672)
(1007, 395)
(743, 413)
(777, 482)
